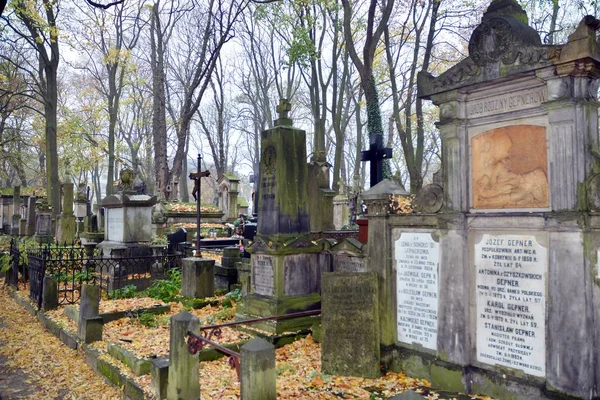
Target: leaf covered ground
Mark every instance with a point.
(54, 370)
(61, 372)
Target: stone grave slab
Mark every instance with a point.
(350, 324)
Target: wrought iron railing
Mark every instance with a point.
(16, 264)
(196, 342)
(72, 266)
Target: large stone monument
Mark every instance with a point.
(16, 214)
(127, 216)
(498, 293)
(228, 189)
(285, 276)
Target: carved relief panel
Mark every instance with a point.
(509, 168)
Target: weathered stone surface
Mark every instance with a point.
(350, 325)
(283, 191)
(184, 379)
(197, 279)
(258, 374)
(301, 274)
(90, 329)
(50, 294)
(159, 375)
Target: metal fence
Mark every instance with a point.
(16, 264)
(73, 266)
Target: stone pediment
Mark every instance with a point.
(503, 46)
(348, 246)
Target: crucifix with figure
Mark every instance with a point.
(375, 155)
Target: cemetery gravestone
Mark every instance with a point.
(509, 310)
(31, 215)
(65, 221)
(350, 326)
(285, 276)
(16, 217)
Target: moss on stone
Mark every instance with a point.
(447, 378)
(110, 371)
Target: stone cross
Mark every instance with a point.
(283, 109)
(376, 154)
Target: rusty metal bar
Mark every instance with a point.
(196, 343)
(272, 318)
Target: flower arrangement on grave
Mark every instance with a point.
(400, 204)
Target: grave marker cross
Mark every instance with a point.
(283, 109)
(376, 154)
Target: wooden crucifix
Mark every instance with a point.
(375, 155)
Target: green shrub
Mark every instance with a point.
(168, 289)
(235, 295)
(126, 292)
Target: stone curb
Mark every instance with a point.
(72, 312)
(110, 373)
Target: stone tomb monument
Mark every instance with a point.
(127, 219)
(285, 276)
(498, 293)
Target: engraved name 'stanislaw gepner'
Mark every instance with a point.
(511, 302)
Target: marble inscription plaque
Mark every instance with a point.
(263, 281)
(510, 168)
(417, 285)
(511, 302)
(115, 224)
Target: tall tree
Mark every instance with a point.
(193, 62)
(34, 24)
(378, 15)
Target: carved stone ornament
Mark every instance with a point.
(430, 199)
(268, 158)
(504, 39)
(557, 88)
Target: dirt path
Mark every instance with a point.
(34, 364)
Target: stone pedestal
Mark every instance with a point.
(184, 375)
(198, 277)
(226, 274)
(258, 376)
(90, 324)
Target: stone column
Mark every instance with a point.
(184, 374)
(258, 374)
(198, 277)
(16, 217)
(31, 216)
(65, 232)
(455, 149)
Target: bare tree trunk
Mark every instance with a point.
(159, 123)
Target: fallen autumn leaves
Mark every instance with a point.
(57, 370)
